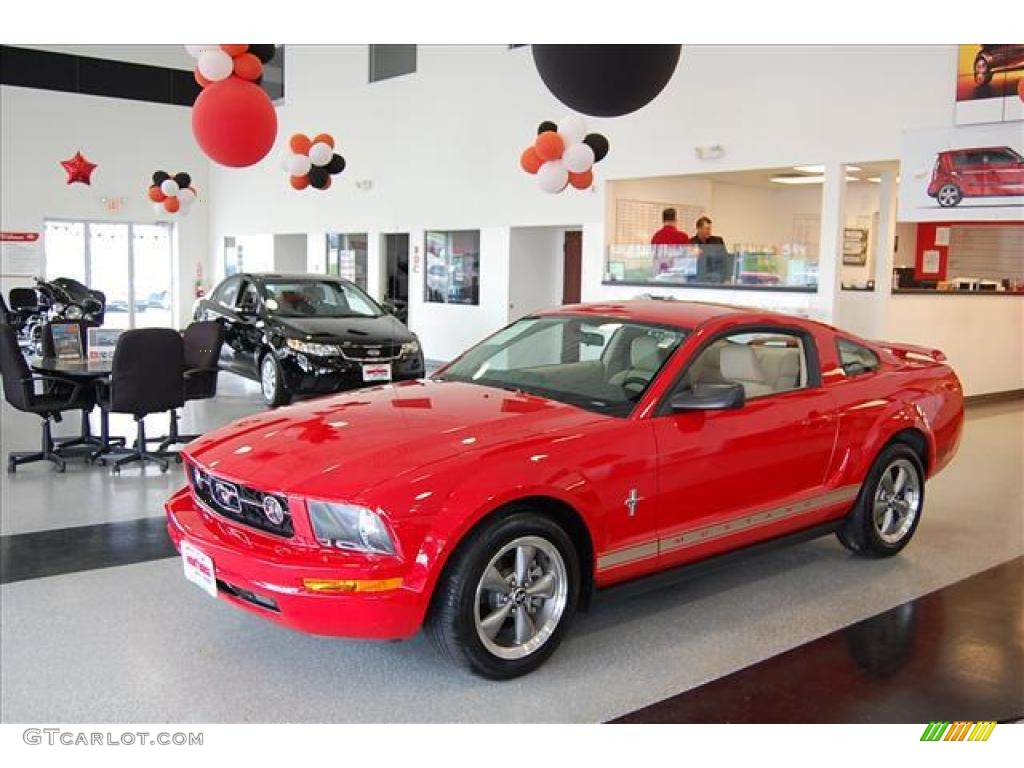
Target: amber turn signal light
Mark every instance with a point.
(351, 585)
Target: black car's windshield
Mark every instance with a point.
(601, 364)
(317, 298)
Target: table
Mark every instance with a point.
(84, 372)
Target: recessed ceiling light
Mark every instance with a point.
(820, 168)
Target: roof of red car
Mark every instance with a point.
(685, 314)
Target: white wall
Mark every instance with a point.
(290, 253)
(536, 265)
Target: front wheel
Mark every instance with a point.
(272, 382)
(507, 597)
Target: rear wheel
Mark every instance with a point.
(272, 382)
(949, 195)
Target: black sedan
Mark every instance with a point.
(308, 334)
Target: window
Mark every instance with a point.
(347, 257)
(765, 363)
(855, 359)
(391, 61)
(453, 267)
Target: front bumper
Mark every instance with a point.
(264, 574)
(306, 374)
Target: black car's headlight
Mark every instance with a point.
(309, 348)
(410, 348)
(349, 526)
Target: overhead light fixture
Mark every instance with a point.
(820, 168)
(805, 179)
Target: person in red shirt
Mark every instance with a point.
(668, 234)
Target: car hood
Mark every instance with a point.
(385, 328)
(344, 445)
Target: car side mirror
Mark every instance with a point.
(709, 397)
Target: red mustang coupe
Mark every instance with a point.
(575, 449)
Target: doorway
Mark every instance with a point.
(572, 266)
(396, 274)
(544, 268)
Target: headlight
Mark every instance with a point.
(410, 348)
(73, 312)
(349, 526)
(318, 350)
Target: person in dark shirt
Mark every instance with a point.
(704, 236)
(668, 234)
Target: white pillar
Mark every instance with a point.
(887, 197)
(374, 267)
(830, 248)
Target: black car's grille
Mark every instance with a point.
(240, 503)
(371, 353)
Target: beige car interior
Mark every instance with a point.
(645, 359)
(764, 366)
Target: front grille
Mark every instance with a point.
(371, 353)
(238, 502)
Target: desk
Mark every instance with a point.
(84, 372)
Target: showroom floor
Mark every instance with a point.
(87, 638)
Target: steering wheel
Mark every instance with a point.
(635, 380)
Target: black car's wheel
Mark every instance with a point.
(272, 382)
(949, 195)
(982, 70)
(506, 599)
(889, 506)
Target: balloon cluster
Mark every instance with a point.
(172, 194)
(219, 62)
(312, 162)
(564, 154)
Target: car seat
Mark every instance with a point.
(741, 366)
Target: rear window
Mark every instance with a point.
(855, 358)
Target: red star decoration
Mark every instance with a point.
(78, 169)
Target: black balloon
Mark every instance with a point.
(160, 177)
(546, 126)
(606, 80)
(183, 179)
(336, 165)
(599, 144)
(262, 52)
(319, 177)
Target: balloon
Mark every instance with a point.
(605, 80)
(169, 187)
(530, 161)
(299, 182)
(248, 67)
(572, 128)
(319, 178)
(158, 208)
(320, 153)
(599, 144)
(549, 145)
(327, 184)
(195, 51)
(160, 177)
(582, 180)
(298, 165)
(171, 205)
(215, 65)
(263, 52)
(553, 176)
(183, 179)
(155, 194)
(234, 49)
(337, 164)
(234, 122)
(300, 143)
(203, 82)
(547, 125)
(324, 138)
(187, 196)
(578, 158)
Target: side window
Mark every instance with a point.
(763, 362)
(227, 292)
(855, 359)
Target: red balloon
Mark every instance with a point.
(247, 66)
(324, 138)
(234, 49)
(156, 195)
(234, 122)
(549, 145)
(581, 180)
(530, 160)
(299, 182)
(172, 204)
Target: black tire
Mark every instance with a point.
(451, 622)
(860, 533)
(278, 395)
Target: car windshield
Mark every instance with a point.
(317, 298)
(600, 364)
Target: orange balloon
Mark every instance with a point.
(324, 138)
(581, 180)
(234, 49)
(248, 67)
(549, 145)
(300, 143)
(172, 204)
(203, 82)
(299, 182)
(530, 161)
(156, 195)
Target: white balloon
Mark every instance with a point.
(195, 51)
(572, 128)
(169, 187)
(320, 153)
(578, 158)
(553, 176)
(284, 160)
(299, 165)
(158, 209)
(186, 196)
(216, 65)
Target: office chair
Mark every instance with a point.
(146, 377)
(19, 390)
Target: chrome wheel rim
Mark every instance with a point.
(521, 597)
(268, 378)
(948, 195)
(897, 501)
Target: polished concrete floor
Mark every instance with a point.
(135, 642)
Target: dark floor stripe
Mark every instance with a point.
(954, 654)
(68, 550)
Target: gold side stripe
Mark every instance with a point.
(711, 532)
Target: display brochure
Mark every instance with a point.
(102, 342)
(67, 341)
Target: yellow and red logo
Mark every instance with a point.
(958, 731)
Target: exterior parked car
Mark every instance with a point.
(996, 58)
(575, 449)
(308, 334)
(976, 172)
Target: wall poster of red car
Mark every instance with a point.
(989, 83)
